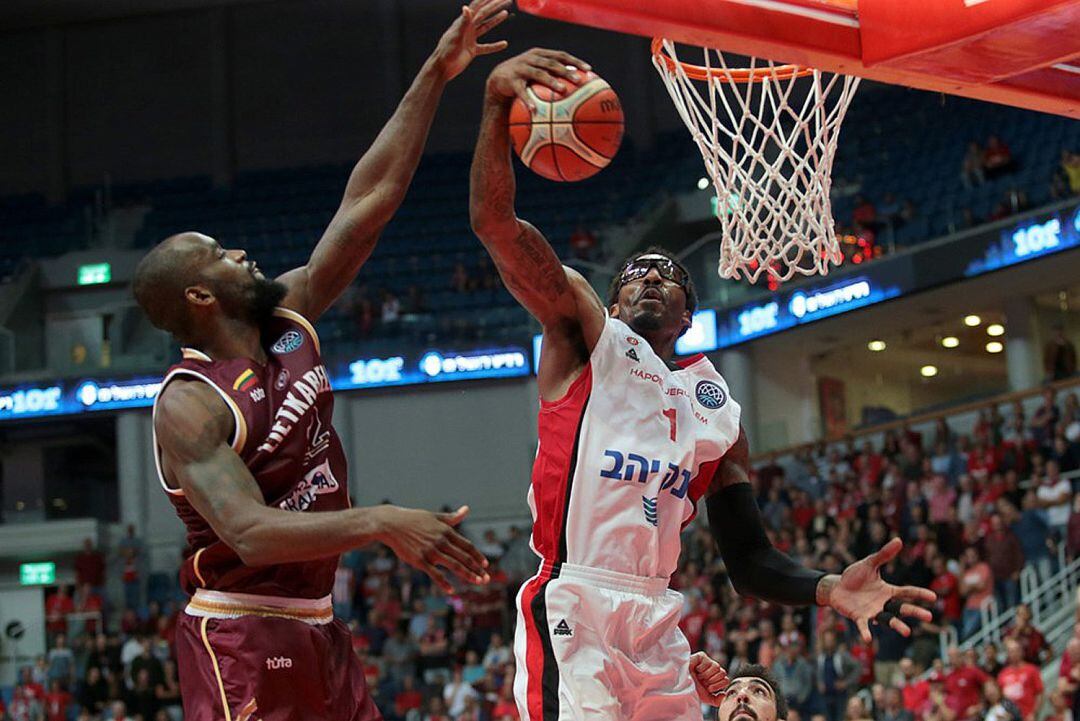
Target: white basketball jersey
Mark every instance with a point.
(624, 456)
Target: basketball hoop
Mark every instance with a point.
(768, 139)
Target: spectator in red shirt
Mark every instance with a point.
(997, 158)
(947, 588)
(408, 698)
(1006, 559)
(976, 585)
(31, 689)
(1036, 649)
(88, 603)
(916, 692)
(963, 685)
(57, 703)
(57, 608)
(1021, 681)
(90, 566)
(505, 709)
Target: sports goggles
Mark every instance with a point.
(668, 270)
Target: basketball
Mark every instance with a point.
(571, 135)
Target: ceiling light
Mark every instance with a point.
(702, 183)
(928, 371)
(950, 341)
(995, 329)
(972, 320)
(995, 346)
(876, 345)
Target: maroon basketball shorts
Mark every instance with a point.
(261, 658)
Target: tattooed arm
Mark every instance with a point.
(559, 297)
(193, 427)
(379, 181)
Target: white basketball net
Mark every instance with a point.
(768, 146)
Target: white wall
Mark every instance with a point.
(468, 443)
(786, 390)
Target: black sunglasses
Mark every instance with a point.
(668, 270)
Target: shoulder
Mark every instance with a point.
(190, 412)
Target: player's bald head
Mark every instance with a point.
(163, 276)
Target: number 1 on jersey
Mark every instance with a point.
(672, 421)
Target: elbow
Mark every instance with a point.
(246, 542)
(482, 223)
(487, 224)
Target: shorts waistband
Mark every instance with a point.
(222, 604)
(604, 578)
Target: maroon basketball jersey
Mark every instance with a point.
(282, 414)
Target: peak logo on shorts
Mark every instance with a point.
(710, 395)
(289, 341)
(562, 628)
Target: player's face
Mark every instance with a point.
(748, 699)
(652, 295)
(238, 285)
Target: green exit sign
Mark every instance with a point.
(37, 574)
(95, 273)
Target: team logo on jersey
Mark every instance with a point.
(317, 481)
(257, 394)
(562, 628)
(710, 395)
(282, 379)
(631, 340)
(245, 381)
(649, 506)
(289, 341)
(632, 355)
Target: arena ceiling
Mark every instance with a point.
(21, 14)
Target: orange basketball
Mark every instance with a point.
(572, 134)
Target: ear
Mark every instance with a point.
(687, 321)
(199, 295)
(613, 311)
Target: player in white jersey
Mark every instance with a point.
(629, 441)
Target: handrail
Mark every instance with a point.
(1057, 593)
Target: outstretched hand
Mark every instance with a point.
(710, 678)
(460, 44)
(862, 595)
(426, 540)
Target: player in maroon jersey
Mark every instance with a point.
(247, 453)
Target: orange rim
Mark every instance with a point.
(739, 75)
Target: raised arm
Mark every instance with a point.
(379, 181)
(560, 298)
(193, 426)
(758, 569)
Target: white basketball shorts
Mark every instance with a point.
(593, 644)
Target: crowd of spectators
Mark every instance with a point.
(958, 501)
